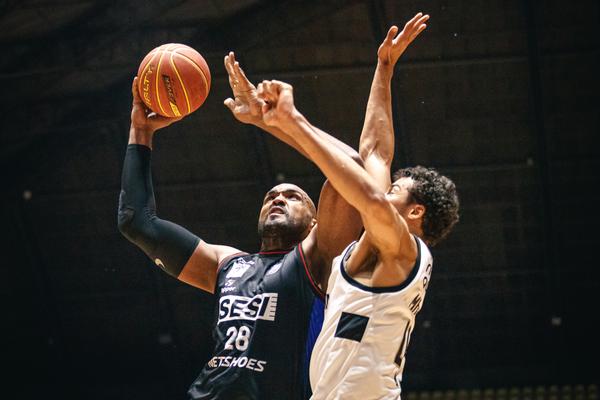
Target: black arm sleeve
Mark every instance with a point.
(167, 244)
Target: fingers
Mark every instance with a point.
(392, 32)
(237, 77)
(134, 86)
(260, 90)
(420, 24)
(412, 29)
(280, 86)
(265, 109)
(264, 94)
(415, 25)
(229, 103)
(228, 62)
(422, 20)
(160, 118)
(278, 106)
(269, 91)
(412, 22)
(134, 91)
(420, 29)
(229, 58)
(239, 72)
(158, 121)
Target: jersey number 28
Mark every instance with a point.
(238, 338)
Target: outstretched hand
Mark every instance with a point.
(246, 106)
(278, 107)
(144, 120)
(396, 43)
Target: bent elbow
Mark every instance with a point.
(125, 217)
(138, 229)
(358, 159)
(378, 204)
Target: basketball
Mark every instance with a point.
(173, 80)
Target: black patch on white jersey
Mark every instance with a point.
(351, 326)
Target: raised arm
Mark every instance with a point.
(338, 222)
(377, 138)
(171, 247)
(386, 228)
(246, 107)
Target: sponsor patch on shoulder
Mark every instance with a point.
(273, 269)
(238, 268)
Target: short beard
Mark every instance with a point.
(285, 231)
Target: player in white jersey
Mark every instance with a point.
(359, 353)
(377, 285)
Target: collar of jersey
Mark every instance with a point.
(379, 289)
(274, 253)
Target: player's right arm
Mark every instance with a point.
(246, 107)
(176, 250)
(384, 226)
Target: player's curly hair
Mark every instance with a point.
(438, 194)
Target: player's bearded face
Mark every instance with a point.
(285, 212)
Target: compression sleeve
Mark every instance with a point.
(167, 244)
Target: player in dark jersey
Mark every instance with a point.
(269, 304)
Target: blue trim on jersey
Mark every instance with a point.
(381, 289)
(314, 328)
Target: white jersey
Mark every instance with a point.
(360, 351)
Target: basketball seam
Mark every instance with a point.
(187, 100)
(199, 69)
(144, 73)
(180, 47)
(156, 85)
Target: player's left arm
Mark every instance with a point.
(376, 146)
(338, 222)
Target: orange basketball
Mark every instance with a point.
(173, 80)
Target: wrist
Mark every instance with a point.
(141, 136)
(292, 119)
(296, 116)
(384, 68)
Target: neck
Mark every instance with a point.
(277, 243)
(415, 227)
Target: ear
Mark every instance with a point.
(416, 211)
(313, 222)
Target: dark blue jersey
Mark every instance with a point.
(268, 315)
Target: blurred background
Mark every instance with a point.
(500, 95)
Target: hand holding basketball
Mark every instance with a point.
(143, 120)
(173, 80)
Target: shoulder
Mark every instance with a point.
(230, 258)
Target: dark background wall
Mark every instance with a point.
(502, 96)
